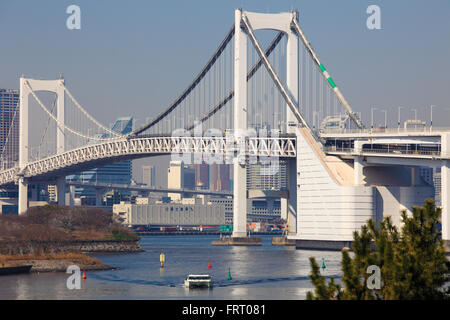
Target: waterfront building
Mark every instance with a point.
(170, 214)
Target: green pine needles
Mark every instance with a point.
(411, 264)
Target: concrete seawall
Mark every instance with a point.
(237, 241)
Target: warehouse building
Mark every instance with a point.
(170, 214)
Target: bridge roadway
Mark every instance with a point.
(105, 185)
(251, 193)
(117, 150)
(391, 146)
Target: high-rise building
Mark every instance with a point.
(179, 176)
(189, 178)
(148, 175)
(220, 177)
(201, 176)
(267, 176)
(9, 125)
(175, 178)
(119, 173)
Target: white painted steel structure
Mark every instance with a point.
(117, 150)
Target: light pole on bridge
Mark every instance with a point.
(371, 121)
(415, 117)
(398, 122)
(385, 118)
(431, 117)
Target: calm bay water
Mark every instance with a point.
(265, 272)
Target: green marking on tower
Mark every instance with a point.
(331, 82)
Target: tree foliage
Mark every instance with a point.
(56, 223)
(412, 262)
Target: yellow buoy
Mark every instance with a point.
(162, 258)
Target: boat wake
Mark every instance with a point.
(175, 282)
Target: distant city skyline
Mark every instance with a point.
(154, 49)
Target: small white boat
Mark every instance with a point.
(198, 280)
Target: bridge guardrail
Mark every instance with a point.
(385, 130)
(332, 149)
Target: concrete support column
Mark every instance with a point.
(99, 197)
(61, 190)
(283, 209)
(445, 199)
(34, 193)
(239, 199)
(23, 196)
(358, 164)
(358, 167)
(445, 188)
(292, 200)
(270, 202)
(71, 196)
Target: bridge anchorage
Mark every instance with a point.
(248, 104)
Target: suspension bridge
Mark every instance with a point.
(254, 101)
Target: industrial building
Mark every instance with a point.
(170, 214)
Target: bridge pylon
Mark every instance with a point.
(29, 86)
(281, 22)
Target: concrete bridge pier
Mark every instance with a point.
(358, 164)
(61, 190)
(34, 192)
(71, 196)
(99, 197)
(239, 199)
(23, 196)
(292, 200)
(445, 191)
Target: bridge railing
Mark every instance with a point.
(334, 149)
(385, 130)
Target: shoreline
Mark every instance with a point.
(57, 256)
(59, 265)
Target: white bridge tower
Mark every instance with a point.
(280, 22)
(27, 87)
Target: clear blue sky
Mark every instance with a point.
(134, 57)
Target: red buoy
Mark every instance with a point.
(84, 274)
(209, 264)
